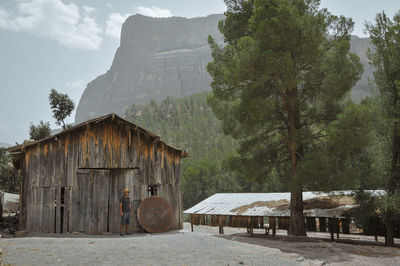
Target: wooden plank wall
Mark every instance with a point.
(58, 193)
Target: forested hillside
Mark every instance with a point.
(189, 124)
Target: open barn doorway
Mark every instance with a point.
(119, 180)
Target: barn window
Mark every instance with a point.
(62, 209)
(152, 190)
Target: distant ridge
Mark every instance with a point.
(4, 145)
(161, 57)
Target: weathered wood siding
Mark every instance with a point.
(74, 182)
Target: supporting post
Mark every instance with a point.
(322, 224)
(311, 224)
(346, 226)
(331, 228)
(251, 226)
(333, 224)
(273, 225)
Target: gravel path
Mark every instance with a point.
(174, 248)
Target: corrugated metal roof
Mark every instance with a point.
(275, 204)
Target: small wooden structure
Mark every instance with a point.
(72, 181)
(270, 211)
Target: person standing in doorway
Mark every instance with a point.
(125, 209)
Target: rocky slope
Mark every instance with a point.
(363, 88)
(160, 57)
(157, 57)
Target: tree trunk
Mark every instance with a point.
(393, 183)
(394, 180)
(296, 223)
(389, 234)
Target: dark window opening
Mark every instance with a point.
(55, 211)
(152, 190)
(62, 209)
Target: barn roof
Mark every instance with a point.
(112, 116)
(316, 204)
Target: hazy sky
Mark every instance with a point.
(64, 44)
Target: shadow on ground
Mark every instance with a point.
(318, 248)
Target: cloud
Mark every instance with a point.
(60, 22)
(154, 12)
(88, 9)
(77, 84)
(114, 24)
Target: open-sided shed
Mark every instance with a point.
(72, 181)
(271, 210)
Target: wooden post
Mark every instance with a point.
(322, 224)
(333, 224)
(191, 221)
(331, 228)
(346, 226)
(272, 225)
(251, 226)
(311, 224)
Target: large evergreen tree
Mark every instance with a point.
(385, 37)
(278, 83)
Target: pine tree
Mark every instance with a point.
(385, 37)
(278, 83)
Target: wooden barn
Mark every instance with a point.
(72, 181)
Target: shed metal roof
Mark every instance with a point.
(316, 204)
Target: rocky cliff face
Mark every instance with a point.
(157, 57)
(161, 57)
(360, 47)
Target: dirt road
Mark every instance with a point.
(174, 248)
(202, 247)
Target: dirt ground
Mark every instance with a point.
(172, 248)
(348, 250)
(202, 247)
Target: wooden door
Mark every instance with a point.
(93, 193)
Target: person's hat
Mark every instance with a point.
(126, 190)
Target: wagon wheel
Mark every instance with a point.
(155, 215)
